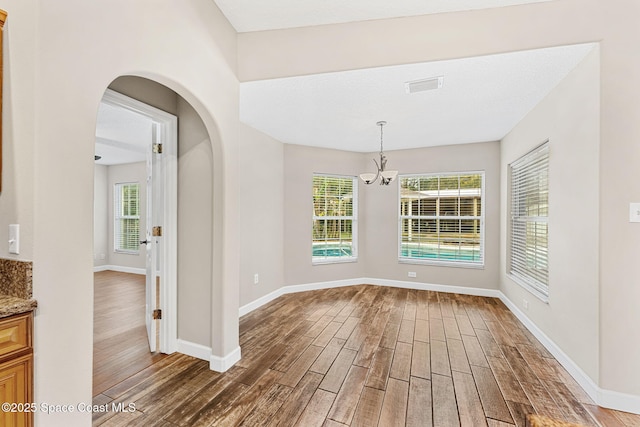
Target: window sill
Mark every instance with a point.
(476, 266)
(333, 261)
(123, 252)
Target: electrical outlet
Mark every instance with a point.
(256, 279)
(525, 304)
(412, 274)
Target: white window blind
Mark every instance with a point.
(529, 187)
(334, 218)
(126, 201)
(442, 218)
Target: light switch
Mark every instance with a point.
(634, 212)
(14, 238)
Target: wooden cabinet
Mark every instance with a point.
(16, 369)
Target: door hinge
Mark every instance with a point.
(157, 148)
(156, 231)
(157, 314)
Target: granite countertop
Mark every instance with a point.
(13, 305)
(16, 284)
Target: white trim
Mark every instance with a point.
(121, 269)
(222, 364)
(198, 351)
(602, 397)
(169, 288)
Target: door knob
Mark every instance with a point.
(144, 242)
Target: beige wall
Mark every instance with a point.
(60, 57)
(569, 118)
(100, 216)
(126, 173)
(195, 227)
(261, 210)
(381, 209)
(18, 133)
(300, 163)
(453, 35)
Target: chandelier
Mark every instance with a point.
(386, 176)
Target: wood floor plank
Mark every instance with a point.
(368, 411)
(451, 330)
(489, 346)
(335, 376)
(316, 411)
(407, 328)
(401, 365)
(464, 324)
(436, 330)
(390, 335)
(421, 360)
(573, 410)
(380, 367)
(519, 412)
(394, 405)
(327, 334)
(542, 401)
(421, 332)
(298, 399)
(299, 368)
(469, 407)
(267, 406)
(492, 400)
(344, 407)
(445, 408)
(440, 358)
(507, 381)
(475, 355)
(420, 406)
(457, 356)
(347, 328)
(326, 358)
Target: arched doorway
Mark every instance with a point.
(194, 257)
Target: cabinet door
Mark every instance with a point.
(15, 383)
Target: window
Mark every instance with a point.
(334, 218)
(126, 236)
(442, 219)
(529, 193)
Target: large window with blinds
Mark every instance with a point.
(126, 202)
(335, 202)
(529, 228)
(442, 219)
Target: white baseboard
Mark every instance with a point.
(195, 350)
(121, 269)
(222, 364)
(606, 398)
(602, 397)
(248, 308)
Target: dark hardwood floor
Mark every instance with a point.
(120, 345)
(358, 356)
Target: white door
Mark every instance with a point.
(162, 198)
(155, 205)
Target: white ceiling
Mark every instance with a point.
(482, 99)
(257, 15)
(122, 136)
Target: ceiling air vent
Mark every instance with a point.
(424, 84)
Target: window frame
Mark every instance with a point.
(117, 217)
(530, 282)
(443, 262)
(353, 218)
